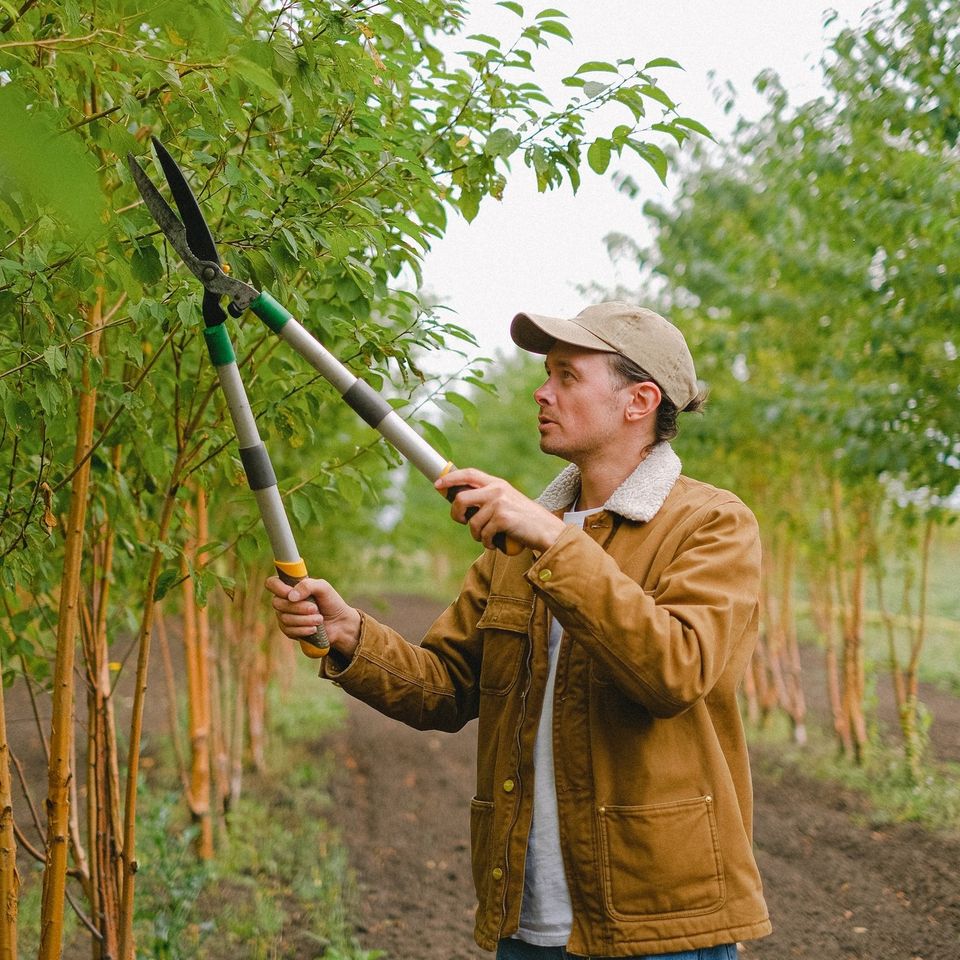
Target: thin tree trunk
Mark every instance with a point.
(128, 858)
(205, 686)
(906, 678)
(825, 619)
(173, 713)
(60, 772)
(794, 678)
(103, 789)
(198, 796)
(9, 877)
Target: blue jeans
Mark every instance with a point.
(518, 950)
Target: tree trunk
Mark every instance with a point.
(791, 648)
(9, 877)
(60, 772)
(103, 778)
(824, 617)
(198, 710)
(128, 852)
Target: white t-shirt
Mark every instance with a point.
(546, 917)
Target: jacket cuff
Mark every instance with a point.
(335, 666)
(553, 565)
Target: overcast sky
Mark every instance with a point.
(530, 251)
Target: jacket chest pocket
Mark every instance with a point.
(504, 623)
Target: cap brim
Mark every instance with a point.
(537, 334)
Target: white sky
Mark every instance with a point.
(531, 250)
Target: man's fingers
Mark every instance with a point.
(304, 608)
(466, 477)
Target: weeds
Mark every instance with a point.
(893, 793)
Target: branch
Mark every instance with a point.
(82, 336)
(140, 98)
(116, 414)
(12, 21)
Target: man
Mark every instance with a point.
(613, 812)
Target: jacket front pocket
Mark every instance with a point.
(661, 860)
(504, 624)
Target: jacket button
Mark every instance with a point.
(545, 575)
(508, 786)
(497, 873)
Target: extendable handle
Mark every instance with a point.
(365, 401)
(260, 475)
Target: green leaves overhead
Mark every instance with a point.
(328, 145)
(815, 257)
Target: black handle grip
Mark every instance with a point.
(319, 642)
(501, 541)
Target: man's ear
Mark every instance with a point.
(644, 399)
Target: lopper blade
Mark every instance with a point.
(195, 226)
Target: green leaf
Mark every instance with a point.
(436, 438)
(593, 88)
(501, 143)
(485, 38)
(55, 170)
(661, 62)
(557, 29)
(301, 508)
(145, 265)
(165, 581)
(55, 359)
(465, 406)
(469, 204)
(653, 155)
(596, 66)
(656, 93)
(693, 125)
(512, 7)
(550, 12)
(598, 155)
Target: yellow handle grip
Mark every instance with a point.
(291, 573)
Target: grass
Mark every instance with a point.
(280, 886)
(882, 779)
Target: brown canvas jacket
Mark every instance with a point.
(659, 605)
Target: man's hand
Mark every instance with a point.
(299, 617)
(501, 508)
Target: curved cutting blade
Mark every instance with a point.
(197, 232)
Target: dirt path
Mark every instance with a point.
(837, 890)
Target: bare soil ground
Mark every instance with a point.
(838, 887)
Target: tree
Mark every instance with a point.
(329, 144)
(811, 254)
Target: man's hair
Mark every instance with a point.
(624, 372)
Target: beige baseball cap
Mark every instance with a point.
(614, 326)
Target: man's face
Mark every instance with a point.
(581, 408)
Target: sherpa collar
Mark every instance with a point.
(638, 498)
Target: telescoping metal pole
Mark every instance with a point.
(365, 401)
(260, 475)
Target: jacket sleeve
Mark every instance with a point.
(664, 649)
(433, 686)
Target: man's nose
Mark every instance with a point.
(541, 394)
